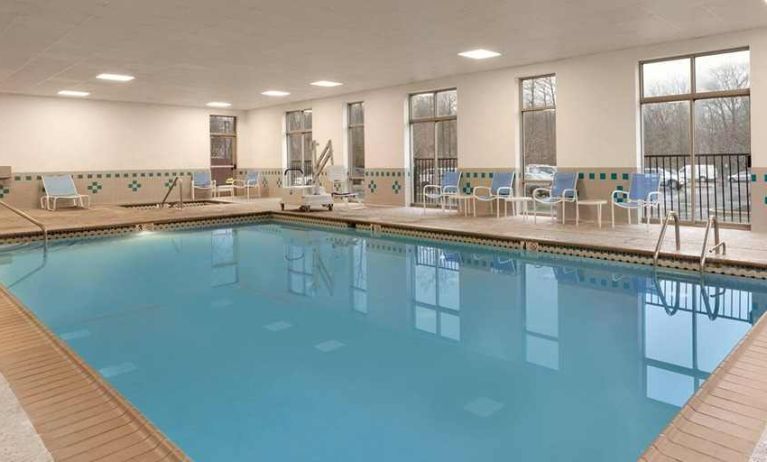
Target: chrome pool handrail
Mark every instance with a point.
(38, 223)
(704, 252)
(671, 214)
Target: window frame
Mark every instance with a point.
(694, 94)
(691, 98)
(434, 119)
(303, 131)
(222, 136)
(522, 180)
(349, 126)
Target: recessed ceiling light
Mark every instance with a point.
(115, 77)
(78, 94)
(219, 104)
(275, 93)
(326, 83)
(479, 54)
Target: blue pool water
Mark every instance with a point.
(278, 343)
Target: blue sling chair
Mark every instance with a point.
(563, 190)
(643, 195)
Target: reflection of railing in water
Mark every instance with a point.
(697, 298)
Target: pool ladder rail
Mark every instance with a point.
(713, 222)
(719, 248)
(35, 222)
(176, 181)
(669, 216)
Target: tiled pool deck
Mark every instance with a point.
(79, 417)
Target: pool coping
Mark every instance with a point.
(76, 413)
(702, 430)
(716, 264)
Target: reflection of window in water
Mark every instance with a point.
(224, 270)
(360, 277)
(437, 292)
(300, 270)
(685, 338)
(541, 316)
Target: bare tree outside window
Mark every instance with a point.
(696, 133)
(299, 141)
(539, 126)
(433, 137)
(223, 147)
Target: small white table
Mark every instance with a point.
(465, 200)
(225, 188)
(516, 201)
(598, 203)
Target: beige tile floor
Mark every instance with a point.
(724, 421)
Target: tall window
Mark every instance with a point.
(539, 128)
(696, 133)
(299, 140)
(356, 115)
(437, 291)
(223, 147)
(433, 137)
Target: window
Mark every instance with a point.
(433, 137)
(539, 126)
(223, 147)
(356, 115)
(696, 133)
(360, 277)
(299, 141)
(437, 292)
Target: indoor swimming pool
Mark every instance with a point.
(283, 342)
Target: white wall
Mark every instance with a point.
(597, 111)
(60, 134)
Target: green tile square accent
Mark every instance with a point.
(765, 200)
(134, 185)
(125, 175)
(28, 178)
(95, 187)
(168, 183)
(396, 187)
(482, 175)
(372, 186)
(591, 175)
(89, 176)
(602, 176)
(753, 178)
(143, 174)
(765, 178)
(98, 175)
(17, 178)
(580, 176)
(39, 177)
(613, 176)
(490, 174)
(625, 176)
(467, 188)
(4, 191)
(134, 175)
(109, 175)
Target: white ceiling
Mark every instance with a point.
(189, 52)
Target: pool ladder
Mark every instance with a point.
(669, 216)
(719, 248)
(713, 222)
(180, 184)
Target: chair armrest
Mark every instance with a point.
(239, 183)
(504, 191)
(450, 189)
(536, 192)
(432, 186)
(614, 195)
(653, 198)
(570, 199)
(481, 188)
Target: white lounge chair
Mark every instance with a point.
(643, 195)
(338, 175)
(501, 187)
(61, 187)
(252, 180)
(203, 181)
(449, 187)
(563, 189)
